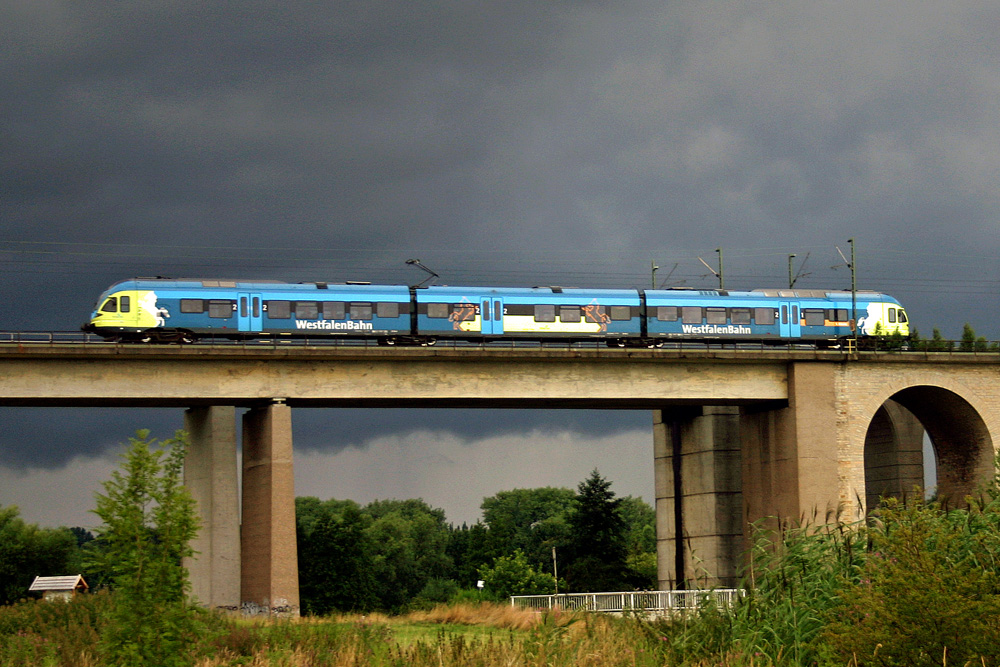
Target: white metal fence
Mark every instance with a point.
(655, 602)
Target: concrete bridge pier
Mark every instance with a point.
(270, 573)
(698, 482)
(210, 476)
(254, 569)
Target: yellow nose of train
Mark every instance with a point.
(127, 310)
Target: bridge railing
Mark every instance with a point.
(51, 338)
(654, 602)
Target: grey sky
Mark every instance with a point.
(514, 143)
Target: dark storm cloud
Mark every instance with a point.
(513, 143)
(339, 123)
(50, 437)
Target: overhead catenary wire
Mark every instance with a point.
(70, 258)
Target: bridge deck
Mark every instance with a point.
(106, 374)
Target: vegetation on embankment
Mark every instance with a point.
(917, 583)
(38, 633)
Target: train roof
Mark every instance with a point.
(775, 293)
(359, 287)
(251, 285)
(527, 291)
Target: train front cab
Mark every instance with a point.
(118, 313)
(883, 316)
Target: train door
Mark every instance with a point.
(491, 315)
(790, 322)
(248, 313)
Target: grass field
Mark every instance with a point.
(37, 633)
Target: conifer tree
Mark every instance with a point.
(597, 535)
(968, 343)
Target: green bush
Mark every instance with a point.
(929, 593)
(513, 575)
(36, 632)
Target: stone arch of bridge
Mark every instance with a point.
(957, 426)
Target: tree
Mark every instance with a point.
(334, 556)
(533, 520)
(469, 551)
(149, 521)
(938, 342)
(640, 541)
(409, 541)
(968, 343)
(27, 551)
(513, 575)
(597, 539)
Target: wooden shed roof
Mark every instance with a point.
(69, 583)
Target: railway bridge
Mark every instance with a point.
(739, 435)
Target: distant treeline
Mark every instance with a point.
(393, 555)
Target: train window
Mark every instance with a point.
(764, 316)
(784, 314)
(334, 310)
(192, 306)
(219, 309)
(387, 309)
(892, 315)
(278, 310)
(620, 313)
(485, 310)
(361, 311)
(124, 304)
(840, 315)
(569, 313)
(255, 309)
(902, 315)
(666, 313)
(110, 306)
(814, 317)
(306, 310)
(437, 310)
(497, 311)
(691, 315)
(740, 315)
(715, 315)
(243, 307)
(545, 313)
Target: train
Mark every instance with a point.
(186, 310)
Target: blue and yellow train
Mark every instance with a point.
(167, 310)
